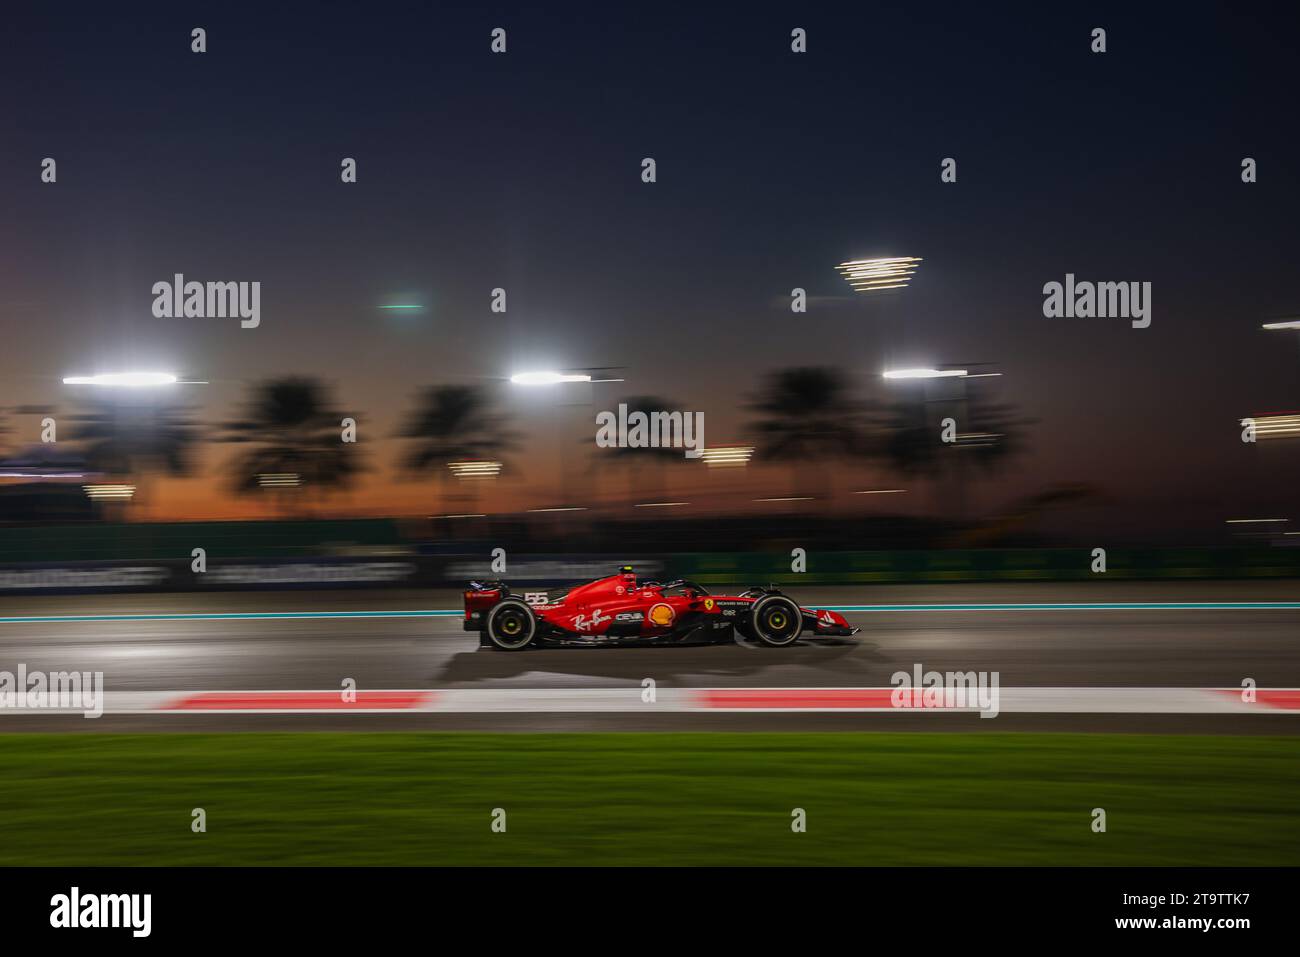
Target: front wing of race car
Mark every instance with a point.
(825, 623)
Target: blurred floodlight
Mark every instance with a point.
(727, 456)
(6, 473)
(660, 504)
(787, 498)
(564, 508)
(870, 275)
(1256, 521)
(110, 493)
(123, 379)
(1283, 324)
(977, 440)
(923, 373)
(474, 470)
(548, 378)
(279, 480)
(881, 491)
(1277, 426)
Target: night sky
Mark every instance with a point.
(523, 171)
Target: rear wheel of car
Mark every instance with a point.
(510, 625)
(776, 621)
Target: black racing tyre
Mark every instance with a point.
(776, 621)
(510, 625)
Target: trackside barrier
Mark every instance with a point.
(986, 565)
(391, 566)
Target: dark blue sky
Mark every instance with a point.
(522, 171)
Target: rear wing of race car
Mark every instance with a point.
(479, 597)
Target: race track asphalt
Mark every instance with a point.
(1116, 645)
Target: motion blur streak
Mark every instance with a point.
(454, 612)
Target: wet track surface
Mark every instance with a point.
(1125, 647)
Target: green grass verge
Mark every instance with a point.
(614, 798)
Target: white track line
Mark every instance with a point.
(629, 700)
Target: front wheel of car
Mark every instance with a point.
(510, 625)
(776, 621)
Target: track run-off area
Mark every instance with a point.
(1077, 657)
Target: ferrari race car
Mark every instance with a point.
(619, 610)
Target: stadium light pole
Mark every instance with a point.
(133, 382)
(958, 401)
(1284, 324)
(552, 377)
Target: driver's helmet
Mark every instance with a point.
(628, 575)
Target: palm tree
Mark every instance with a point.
(808, 415)
(137, 439)
(453, 423)
(911, 442)
(645, 465)
(296, 438)
(995, 434)
(988, 435)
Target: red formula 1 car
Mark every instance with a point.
(618, 610)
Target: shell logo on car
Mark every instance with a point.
(661, 614)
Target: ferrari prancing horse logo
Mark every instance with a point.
(708, 604)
